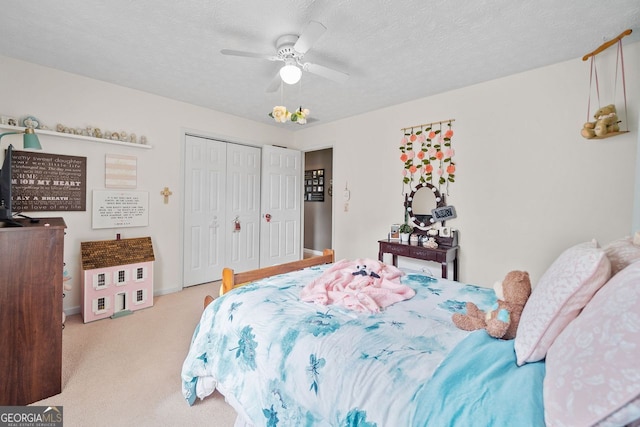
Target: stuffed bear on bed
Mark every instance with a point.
(502, 321)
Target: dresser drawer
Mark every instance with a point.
(428, 254)
(401, 250)
(396, 248)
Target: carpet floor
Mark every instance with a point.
(126, 371)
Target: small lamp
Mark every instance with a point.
(29, 139)
(290, 73)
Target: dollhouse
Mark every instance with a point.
(117, 277)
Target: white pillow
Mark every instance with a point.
(563, 290)
(592, 370)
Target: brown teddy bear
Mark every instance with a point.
(606, 122)
(502, 321)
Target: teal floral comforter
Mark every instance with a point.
(283, 362)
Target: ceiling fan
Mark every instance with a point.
(291, 49)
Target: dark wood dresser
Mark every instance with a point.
(31, 274)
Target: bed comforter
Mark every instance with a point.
(280, 361)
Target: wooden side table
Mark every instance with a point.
(442, 254)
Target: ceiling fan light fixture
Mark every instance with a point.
(290, 74)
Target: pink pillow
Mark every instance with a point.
(563, 290)
(592, 370)
(621, 253)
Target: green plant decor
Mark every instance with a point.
(405, 228)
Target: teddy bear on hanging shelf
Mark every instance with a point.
(606, 123)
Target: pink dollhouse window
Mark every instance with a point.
(122, 276)
(140, 295)
(140, 273)
(102, 280)
(101, 304)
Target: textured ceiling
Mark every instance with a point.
(395, 51)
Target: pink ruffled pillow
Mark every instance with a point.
(592, 370)
(563, 290)
(621, 253)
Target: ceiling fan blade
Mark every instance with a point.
(309, 36)
(327, 73)
(249, 54)
(275, 83)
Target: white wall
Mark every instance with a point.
(527, 184)
(57, 97)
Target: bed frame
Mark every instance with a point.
(231, 280)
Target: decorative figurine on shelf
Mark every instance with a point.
(430, 243)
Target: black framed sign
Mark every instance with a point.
(314, 185)
(48, 182)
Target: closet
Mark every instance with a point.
(221, 208)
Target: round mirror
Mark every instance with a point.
(419, 204)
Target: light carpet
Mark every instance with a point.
(126, 371)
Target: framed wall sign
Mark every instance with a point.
(115, 209)
(120, 171)
(48, 182)
(314, 185)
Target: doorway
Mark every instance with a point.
(318, 214)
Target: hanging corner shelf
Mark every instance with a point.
(617, 41)
(74, 136)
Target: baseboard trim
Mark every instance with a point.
(311, 253)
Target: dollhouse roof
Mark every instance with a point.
(111, 253)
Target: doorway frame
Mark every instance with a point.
(333, 205)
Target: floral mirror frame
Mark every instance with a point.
(420, 220)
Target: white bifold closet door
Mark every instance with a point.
(222, 186)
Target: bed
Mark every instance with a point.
(283, 361)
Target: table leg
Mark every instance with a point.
(444, 270)
(455, 269)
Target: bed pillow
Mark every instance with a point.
(592, 370)
(563, 290)
(621, 253)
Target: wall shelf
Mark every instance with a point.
(74, 136)
(610, 134)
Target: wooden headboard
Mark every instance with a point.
(232, 280)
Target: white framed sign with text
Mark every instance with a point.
(115, 209)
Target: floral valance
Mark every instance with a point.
(427, 154)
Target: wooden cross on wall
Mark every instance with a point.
(166, 193)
